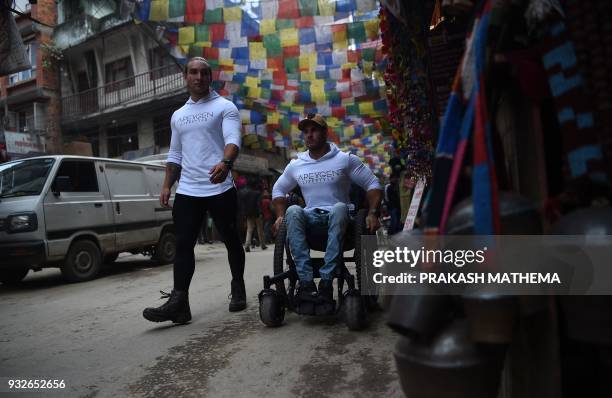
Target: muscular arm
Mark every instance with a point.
(219, 172)
(173, 173)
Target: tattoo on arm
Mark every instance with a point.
(173, 173)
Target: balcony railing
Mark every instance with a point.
(131, 91)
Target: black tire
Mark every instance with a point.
(110, 258)
(83, 261)
(271, 311)
(354, 311)
(165, 250)
(279, 256)
(13, 276)
(370, 301)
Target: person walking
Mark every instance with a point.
(250, 202)
(266, 212)
(205, 141)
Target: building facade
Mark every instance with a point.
(30, 99)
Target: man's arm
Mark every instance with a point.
(173, 165)
(363, 176)
(219, 172)
(173, 173)
(284, 184)
(232, 138)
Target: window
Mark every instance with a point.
(122, 139)
(82, 175)
(120, 73)
(22, 121)
(161, 64)
(26, 74)
(161, 130)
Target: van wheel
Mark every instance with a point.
(11, 277)
(165, 250)
(83, 261)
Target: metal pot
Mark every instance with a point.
(586, 318)
(419, 317)
(452, 366)
(492, 318)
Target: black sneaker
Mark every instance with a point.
(176, 309)
(238, 296)
(247, 249)
(307, 291)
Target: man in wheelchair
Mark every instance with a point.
(324, 174)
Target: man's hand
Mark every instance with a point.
(372, 222)
(164, 197)
(218, 174)
(277, 224)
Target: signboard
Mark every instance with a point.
(23, 143)
(414, 205)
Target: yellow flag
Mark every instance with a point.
(251, 82)
(257, 51)
(273, 117)
(232, 14)
(327, 7)
(159, 10)
(254, 92)
(371, 28)
(226, 62)
(366, 108)
(289, 37)
(307, 76)
(186, 35)
(267, 26)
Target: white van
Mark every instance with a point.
(77, 212)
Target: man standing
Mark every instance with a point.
(324, 174)
(205, 141)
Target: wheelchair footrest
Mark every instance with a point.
(319, 307)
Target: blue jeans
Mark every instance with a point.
(317, 226)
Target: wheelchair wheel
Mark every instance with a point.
(354, 311)
(271, 309)
(370, 301)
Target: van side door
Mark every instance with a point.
(80, 207)
(133, 205)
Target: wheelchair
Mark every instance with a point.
(273, 302)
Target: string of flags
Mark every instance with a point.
(279, 59)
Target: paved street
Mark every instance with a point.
(93, 336)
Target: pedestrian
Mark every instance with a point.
(250, 199)
(266, 211)
(205, 141)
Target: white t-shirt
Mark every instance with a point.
(200, 132)
(327, 180)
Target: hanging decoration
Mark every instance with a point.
(407, 93)
(279, 59)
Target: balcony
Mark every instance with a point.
(139, 89)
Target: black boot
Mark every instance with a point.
(326, 304)
(238, 301)
(307, 291)
(176, 309)
(326, 290)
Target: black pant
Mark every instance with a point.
(188, 213)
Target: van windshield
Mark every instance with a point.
(24, 177)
